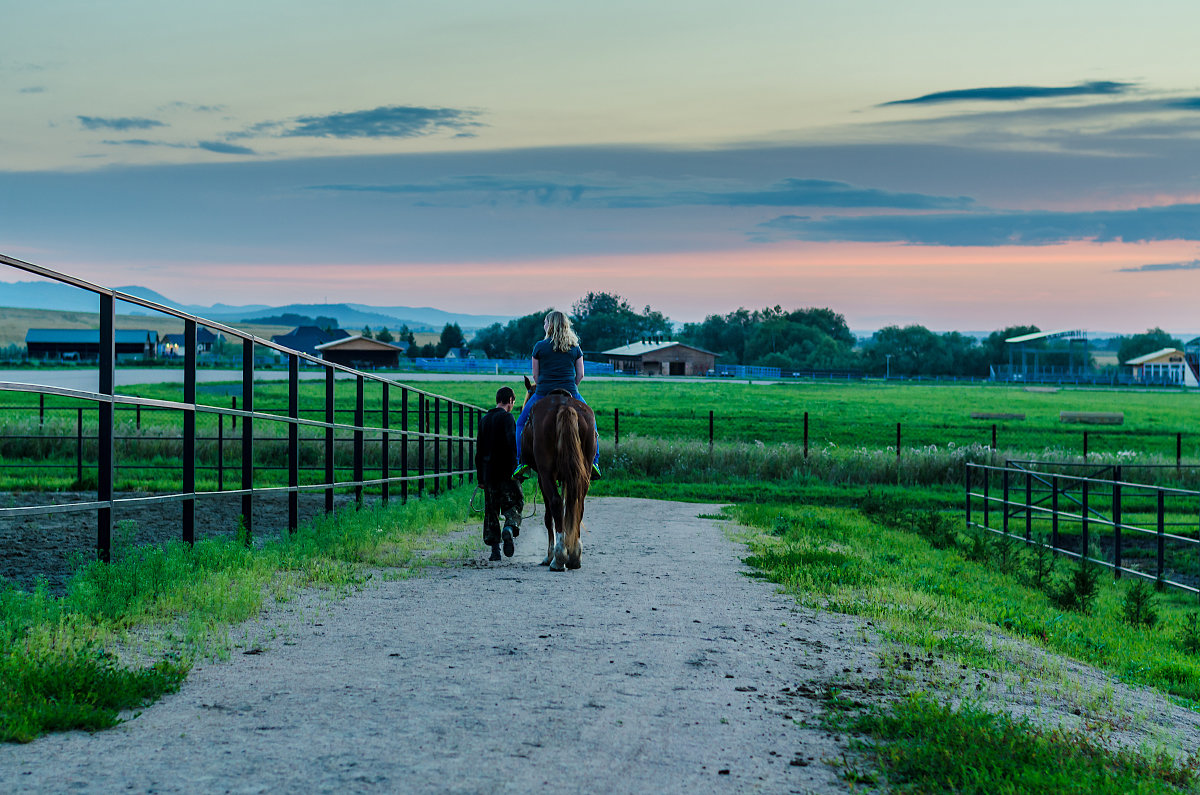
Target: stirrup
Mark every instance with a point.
(521, 472)
(596, 473)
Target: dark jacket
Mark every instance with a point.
(496, 450)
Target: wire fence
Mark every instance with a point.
(1093, 513)
(421, 441)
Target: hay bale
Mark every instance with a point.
(1092, 417)
(1046, 389)
(988, 415)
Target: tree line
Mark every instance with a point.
(798, 340)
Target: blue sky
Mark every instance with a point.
(952, 164)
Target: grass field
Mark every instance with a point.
(15, 322)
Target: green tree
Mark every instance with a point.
(384, 335)
(366, 333)
(995, 347)
(605, 320)
(452, 337)
(1136, 345)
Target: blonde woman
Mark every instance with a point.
(557, 364)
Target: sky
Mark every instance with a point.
(964, 166)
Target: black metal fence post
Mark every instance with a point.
(422, 424)
(1178, 451)
(189, 431)
(41, 410)
(993, 436)
(987, 497)
(1028, 506)
(293, 442)
(460, 444)
(970, 468)
(385, 465)
(471, 445)
(437, 446)
(248, 437)
(220, 452)
(1162, 540)
(79, 450)
(806, 436)
(1084, 524)
(897, 450)
(105, 460)
(359, 439)
(1085, 445)
(1116, 522)
(1054, 512)
(1004, 483)
(616, 427)
(449, 445)
(404, 444)
(330, 438)
(710, 430)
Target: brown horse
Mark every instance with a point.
(559, 440)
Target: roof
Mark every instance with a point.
(643, 347)
(359, 342)
(1149, 357)
(1075, 334)
(203, 336)
(307, 338)
(84, 336)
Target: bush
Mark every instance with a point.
(1137, 605)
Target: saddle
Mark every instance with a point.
(562, 392)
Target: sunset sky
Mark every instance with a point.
(960, 165)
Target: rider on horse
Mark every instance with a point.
(557, 364)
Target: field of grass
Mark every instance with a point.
(15, 322)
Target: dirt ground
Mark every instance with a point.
(52, 545)
(657, 667)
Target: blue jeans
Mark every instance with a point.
(524, 418)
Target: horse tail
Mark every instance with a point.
(574, 470)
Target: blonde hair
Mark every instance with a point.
(562, 337)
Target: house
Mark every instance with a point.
(361, 353)
(1166, 366)
(306, 339)
(171, 345)
(660, 357)
(84, 344)
(465, 353)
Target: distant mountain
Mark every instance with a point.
(64, 298)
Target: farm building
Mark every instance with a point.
(171, 345)
(465, 353)
(1166, 366)
(660, 357)
(361, 353)
(84, 344)
(306, 339)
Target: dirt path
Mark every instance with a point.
(657, 667)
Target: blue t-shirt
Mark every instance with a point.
(556, 369)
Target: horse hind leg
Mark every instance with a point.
(549, 540)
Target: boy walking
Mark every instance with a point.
(495, 459)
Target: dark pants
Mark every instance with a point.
(503, 499)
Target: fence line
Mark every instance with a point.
(1088, 511)
(107, 401)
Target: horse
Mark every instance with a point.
(560, 441)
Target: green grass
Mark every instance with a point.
(57, 664)
(945, 599)
(927, 747)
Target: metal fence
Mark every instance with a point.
(1092, 512)
(443, 455)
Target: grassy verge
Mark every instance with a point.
(954, 596)
(57, 664)
(924, 747)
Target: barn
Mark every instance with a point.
(306, 339)
(84, 344)
(361, 353)
(172, 344)
(1166, 366)
(660, 357)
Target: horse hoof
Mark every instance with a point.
(573, 564)
(556, 566)
(545, 562)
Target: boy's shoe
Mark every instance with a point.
(521, 472)
(512, 528)
(495, 552)
(596, 473)
(506, 535)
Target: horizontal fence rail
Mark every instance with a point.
(418, 440)
(1092, 513)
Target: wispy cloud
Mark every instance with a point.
(801, 193)
(541, 191)
(1192, 265)
(118, 123)
(220, 147)
(140, 142)
(392, 121)
(179, 105)
(1191, 103)
(1143, 224)
(1016, 93)
(32, 90)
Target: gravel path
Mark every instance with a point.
(657, 667)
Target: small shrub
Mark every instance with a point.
(1137, 605)
(1040, 563)
(936, 528)
(243, 533)
(1080, 589)
(1189, 633)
